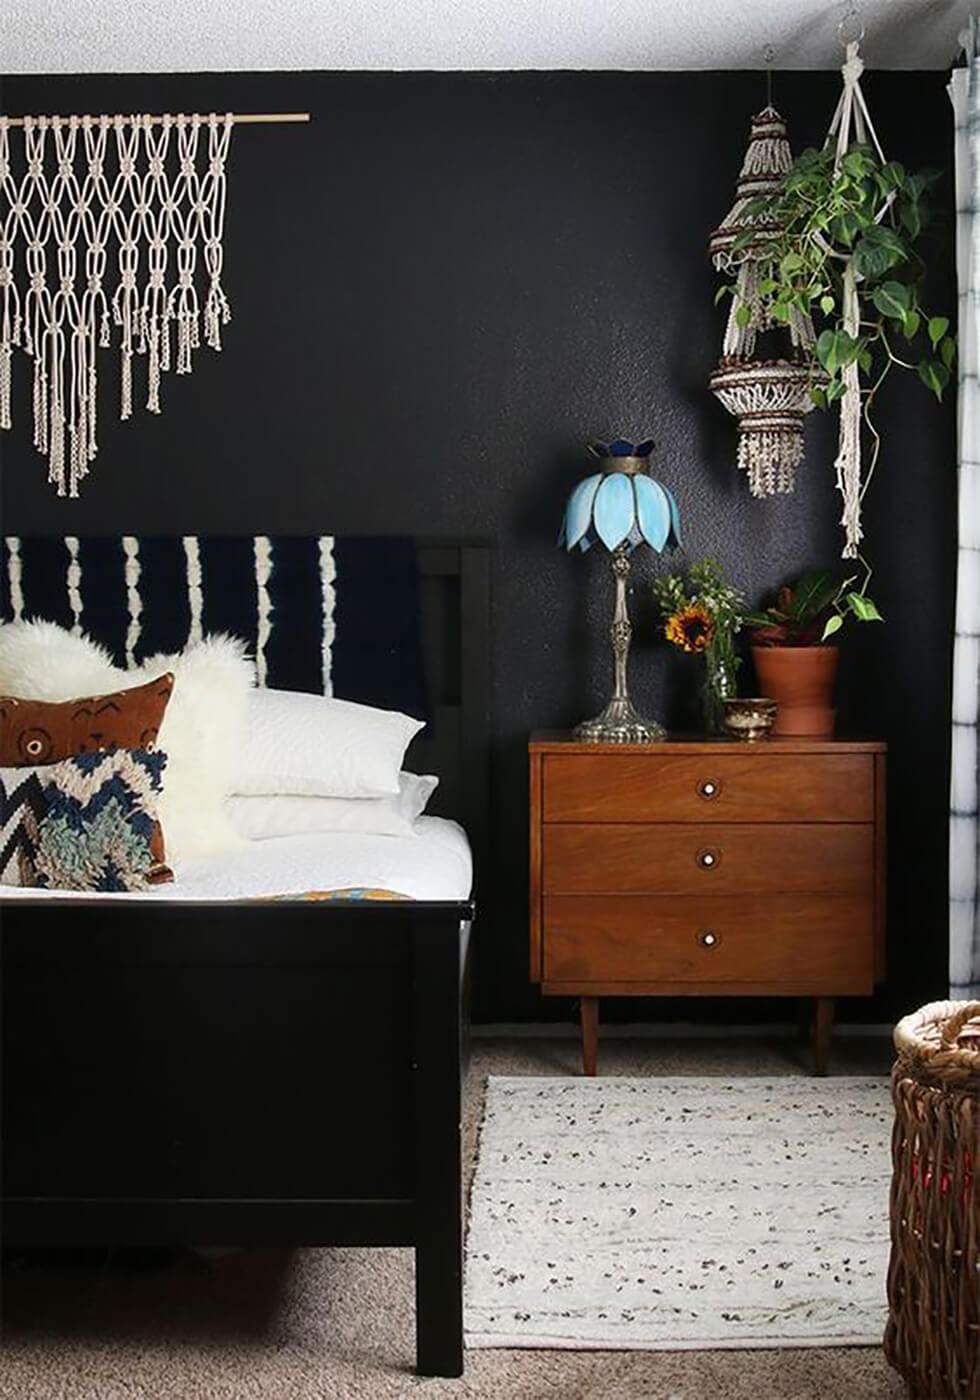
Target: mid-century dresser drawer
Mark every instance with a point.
(710, 787)
(819, 941)
(608, 858)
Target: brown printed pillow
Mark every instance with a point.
(34, 732)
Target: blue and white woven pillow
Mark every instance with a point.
(87, 823)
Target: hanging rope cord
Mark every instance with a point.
(145, 204)
(852, 119)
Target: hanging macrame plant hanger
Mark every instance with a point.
(852, 122)
(108, 223)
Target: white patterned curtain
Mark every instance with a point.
(964, 864)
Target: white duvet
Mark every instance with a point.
(435, 863)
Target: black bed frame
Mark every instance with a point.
(287, 1074)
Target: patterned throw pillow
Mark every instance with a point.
(87, 823)
(39, 731)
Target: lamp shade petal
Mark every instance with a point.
(578, 512)
(675, 518)
(614, 511)
(652, 511)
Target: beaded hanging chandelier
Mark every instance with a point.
(770, 398)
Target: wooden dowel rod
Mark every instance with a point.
(238, 118)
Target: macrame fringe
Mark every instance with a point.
(164, 194)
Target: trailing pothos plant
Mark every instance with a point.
(871, 214)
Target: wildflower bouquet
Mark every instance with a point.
(702, 615)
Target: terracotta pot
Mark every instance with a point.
(801, 681)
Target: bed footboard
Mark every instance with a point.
(245, 1075)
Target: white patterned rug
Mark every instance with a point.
(666, 1214)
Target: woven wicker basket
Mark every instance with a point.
(933, 1332)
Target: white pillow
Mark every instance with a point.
(286, 814)
(316, 746)
(203, 729)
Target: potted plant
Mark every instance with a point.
(795, 657)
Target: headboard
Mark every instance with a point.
(411, 629)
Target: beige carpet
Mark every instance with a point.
(338, 1324)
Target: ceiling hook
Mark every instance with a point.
(769, 57)
(850, 30)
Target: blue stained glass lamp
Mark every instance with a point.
(622, 507)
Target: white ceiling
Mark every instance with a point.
(100, 36)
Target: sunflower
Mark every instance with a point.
(691, 628)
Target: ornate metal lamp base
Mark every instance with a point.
(619, 723)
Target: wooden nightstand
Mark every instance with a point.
(707, 868)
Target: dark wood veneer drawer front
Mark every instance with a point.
(822, 940)
(762, 786)
(687, 859)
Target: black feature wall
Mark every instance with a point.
(442, 288)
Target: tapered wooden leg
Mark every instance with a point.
(590, 1034)
(823, 1028)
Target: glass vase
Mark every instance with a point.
(719, 681)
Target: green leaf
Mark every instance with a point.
(791, 263)
(864, 360)
(779, 311)
(818, 397)
(815, 591)
(835, 389)
(833, 624)
(723, 291)
(912, 323)
(894, 173)
(846, 227)
(892, 299)
(827, 304)
(948, 351)
(827, 350)
(743, 315)
(877, 250)
(934, 375)
(910, 216)
(938, 326)
(863, 608)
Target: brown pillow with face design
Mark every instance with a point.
(33, 732)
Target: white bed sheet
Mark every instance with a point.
(435, 863)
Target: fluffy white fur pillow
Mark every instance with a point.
(203, 730)
(41, 661)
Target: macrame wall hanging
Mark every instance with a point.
(769, 397)
(110, 227)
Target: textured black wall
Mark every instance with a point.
(441, 288)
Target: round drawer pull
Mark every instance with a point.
(709, 858)
(708, 789)
(708, 938)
